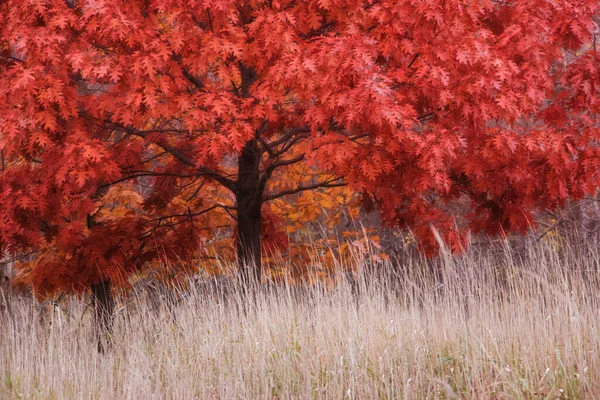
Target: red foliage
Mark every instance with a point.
(413, 103)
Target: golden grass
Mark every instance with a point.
(501, 325)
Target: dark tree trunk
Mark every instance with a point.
(249, 202)
(104, 306)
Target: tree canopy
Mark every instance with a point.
(131, 130)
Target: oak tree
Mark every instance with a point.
(131, 130)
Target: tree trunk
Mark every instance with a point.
(4, 300)
(104, 306)
(249, 202)
(5, 273)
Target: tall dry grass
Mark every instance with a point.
(495, 323)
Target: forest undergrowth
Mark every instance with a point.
(496, 322)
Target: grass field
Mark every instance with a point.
(499, 324)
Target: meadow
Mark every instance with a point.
(499, 323)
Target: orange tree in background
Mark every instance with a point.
(134, 129)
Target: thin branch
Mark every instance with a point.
(200, 186)
(18, 257)
(426, 115)
(289, 145)
(358, 137)
(210, 23)
(224, 181)
(192, 78)
(12, 58)
(290, 161)
(154, 157)
(186, 217)
(147, 173)
(331, 183)
(289, 135)
(413, 60)
(271, 168)
(266, 146)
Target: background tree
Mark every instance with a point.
(189, 109)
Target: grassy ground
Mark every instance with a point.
(502, 324)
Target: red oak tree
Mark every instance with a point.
(132, 129)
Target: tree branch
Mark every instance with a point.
(289, 135)
(11, 58)
(331, 183)
(140, 174)
(186, 217)
(192, 78)
(224, 181)
(290, 161)
(413, 60)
